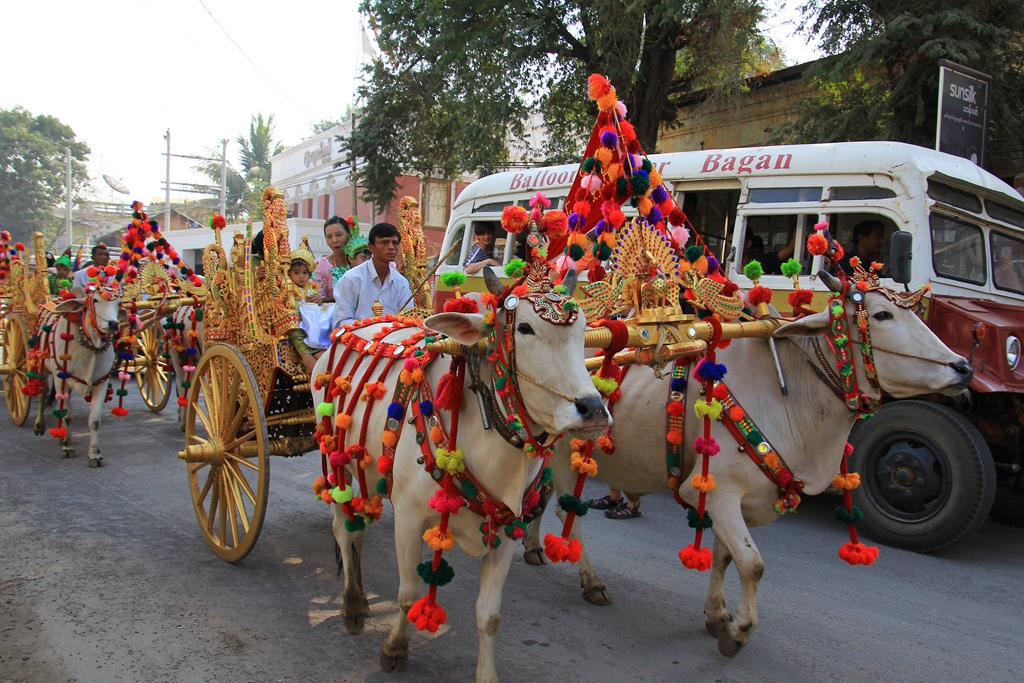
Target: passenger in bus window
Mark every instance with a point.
(482, 252)
(868, 237)
(1003, 271)
(771, 262)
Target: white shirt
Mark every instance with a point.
(80, 279)
(359, 287)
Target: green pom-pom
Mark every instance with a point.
(59, 412)
(640, 184)
(514, 268)
(753, 270)
(853, 516)
(621, 187)
(185, 384)
(791, 267)
(560, 289)
(693, 253)
(344, 495)
(546, 474)
(199, 315)
(325, 409)
(575, 252)
(646, 165)
(468, 488)
(442, 577)
(591, 164)
(122, 392)
(382, 487)
(571, 503)
(695, 522)
(603, 252)
(570, 305)
(453, 279)
(355, 524)
(604, 385)
(672, 460)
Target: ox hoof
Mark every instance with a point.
(354, 623)
(67, 453)
(95, 462)
(39, 430)
(597, 595)
(717, 625)
(535, 557)
(391, 663)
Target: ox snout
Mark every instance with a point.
(590, 408)
(588, 418)
(113, 325)
(964, 372)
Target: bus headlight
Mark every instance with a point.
(1012, 351)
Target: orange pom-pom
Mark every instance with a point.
(607, 101)
(674, 437)
(319, 485)
(655, 178)
(598, 86)
(735, 413)
(389, 439)
(606, 444)
(858, 553)
(514, 219)
(604, 155)
(702, 483)
(436, 435)
(644, 205)
(326, 497)
(343, 421)
(817, 244)
(555, 223)
(581, 465)
(846, 482)
(343, 385)
(437, 540)
(693, 558)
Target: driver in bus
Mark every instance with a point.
(868, 237)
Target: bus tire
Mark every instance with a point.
(927, 476)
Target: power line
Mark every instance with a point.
(252, 62)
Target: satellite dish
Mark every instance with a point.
(115, 184)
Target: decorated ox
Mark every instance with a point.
(490, 459)
(76, 343)
(807, 429)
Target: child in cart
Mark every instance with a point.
(313, 336)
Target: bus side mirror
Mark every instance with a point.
(900, 256)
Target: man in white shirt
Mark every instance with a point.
(100, 259)
(372, 281)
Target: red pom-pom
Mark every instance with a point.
(759, 295)
(847, 450)
(692, 558)
(118, 411)
(800, 298)
(674, 437)
(817, 244)
(628, 132)
(385, 463)
(676, 217)
(598, 86)
(719, 392)
(219, 221)
(92, 271)
(728, 289)
(427, 617)
(616, 218)
(675, 408)
(182, 401)
(111, 271)
(58, 432)
(558, 549)
(735, 413)
(858, 553)
(462, 305)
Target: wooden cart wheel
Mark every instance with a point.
(226, 452)
(151, 371)
(16, 368)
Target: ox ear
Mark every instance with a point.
(122, 315)
(70, 306)
(465, 328)
(810, 326)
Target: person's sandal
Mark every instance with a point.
(623, 511)
(606, 503)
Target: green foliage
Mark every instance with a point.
(880, 80)
(32, 171)
(458, 80)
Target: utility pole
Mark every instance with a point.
(223, 176)
(167, 194)
(352, 174)
(67, 187)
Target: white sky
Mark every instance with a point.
(120, 72)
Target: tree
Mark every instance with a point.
(880, 78)
(457, 79)
(32, 171)
(235, 186)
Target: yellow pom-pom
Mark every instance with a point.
(581, 465)
(655, 178)
(644, 205)
(613, 171)
(343, 421)
(438, 541)
(389, 439)
(709, 410)
(451, 461)
(608, 101)
(846, 482)
(702, 483)
(604, 155)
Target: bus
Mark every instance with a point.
(968, 243)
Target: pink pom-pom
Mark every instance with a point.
(442, 502)
(847, 450)
(620, 109)
(62, 396)
(138, 324)
(707, 447)
(821, 225)
(563, 263)
(591, 183)
(540, 199)
(123, 376)
(531, 500)
(680, 236)
(330, 478)
(188, 368)
(411, 364)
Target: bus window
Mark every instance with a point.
(860, 192)
(958, 250)
(851, 229)
(713, 215)
(954, 197)
(1005, 213)
(771, 240)
(497, 244)
(784, 195)
(455, 258)
(1007, 262)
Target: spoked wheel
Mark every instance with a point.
(151, 372)
(226, 452)
(16, 368)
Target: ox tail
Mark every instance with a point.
(50, 395)
(337, 558)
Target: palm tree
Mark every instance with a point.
(258, 148)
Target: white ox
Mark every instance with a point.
(503, 470)
(91, 364)
(809, 429)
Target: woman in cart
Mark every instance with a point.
(330, 268)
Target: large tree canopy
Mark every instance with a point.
(881, 77)
(458, 79)
(32, 171)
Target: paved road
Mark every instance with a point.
(105, 577)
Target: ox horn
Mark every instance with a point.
(494, 285)
(570, 281)
(830, 281)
